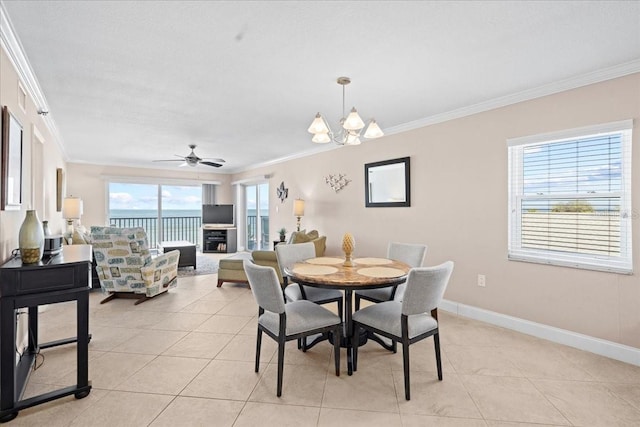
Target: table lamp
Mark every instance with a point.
(298, 210)
(71, 210)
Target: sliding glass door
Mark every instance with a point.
(257, 214)
(166, 212)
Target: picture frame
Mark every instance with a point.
(59, 189)
(387, 184)
(11, 167)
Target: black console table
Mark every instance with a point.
(64, 277)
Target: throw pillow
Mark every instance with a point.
(300, 237)
(321, 245)
(78, 238)
(313, 234)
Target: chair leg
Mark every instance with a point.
(340, 309)
(281, 343)
(405, 359)
(258, 346)
(436, 342)
(336, 349)
(394, 347)
(355, 341)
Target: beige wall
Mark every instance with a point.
(459, 209)
(10, 220)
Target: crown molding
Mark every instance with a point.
(598, 76)
(11, 44)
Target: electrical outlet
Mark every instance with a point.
(482, 280)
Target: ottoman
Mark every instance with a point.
(231, 269)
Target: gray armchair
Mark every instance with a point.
(288, 255)
(410, 254)
(409, 321)
(285, 322)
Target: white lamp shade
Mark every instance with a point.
(298, 207)
(353, 121)
(321, 138)
(72, 208)
(318, 125)
(353, 139)
(373, 130)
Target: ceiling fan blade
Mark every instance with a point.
(215, 165)
(172, 160)
(214, 159)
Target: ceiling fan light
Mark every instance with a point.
(321, 138)
(318, 125)
(373, 130)
(353, 121)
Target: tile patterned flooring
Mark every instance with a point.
(186, 359)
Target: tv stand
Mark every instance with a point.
(219, 240)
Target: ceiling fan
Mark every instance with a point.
(192, 159)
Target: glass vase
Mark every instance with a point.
(31, 239)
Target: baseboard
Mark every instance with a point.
(599, 346)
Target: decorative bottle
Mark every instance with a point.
(31, 239)
(45, 228)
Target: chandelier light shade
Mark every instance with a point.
(350, 126)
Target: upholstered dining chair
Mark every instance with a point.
(287, 256)
(409, 321)
(411, 254)
(286, 322)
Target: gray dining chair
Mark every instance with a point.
(409, 321)
(411, 254)
(290, 254)
(286, 322)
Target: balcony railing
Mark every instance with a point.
(252, 231)
(189, 228)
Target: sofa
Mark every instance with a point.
(231, 269)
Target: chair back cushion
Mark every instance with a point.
(425, 288)
(265, 287)
(408, 253)
(290, 254)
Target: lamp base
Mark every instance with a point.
(298, 223)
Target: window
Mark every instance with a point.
(166, 212)
(570, 198)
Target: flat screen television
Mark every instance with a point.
(218, 214)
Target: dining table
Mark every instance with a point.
(364, 273)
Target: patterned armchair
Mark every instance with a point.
(125, 266)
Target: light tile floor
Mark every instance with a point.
(186, 359)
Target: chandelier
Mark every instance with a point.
(350, 127)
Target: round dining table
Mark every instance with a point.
(331, 273)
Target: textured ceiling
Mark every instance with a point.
(131, 81)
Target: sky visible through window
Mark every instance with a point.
(589, 166)
(144, 197)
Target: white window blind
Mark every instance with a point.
(570, 198)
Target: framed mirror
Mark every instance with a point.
(387, 183)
